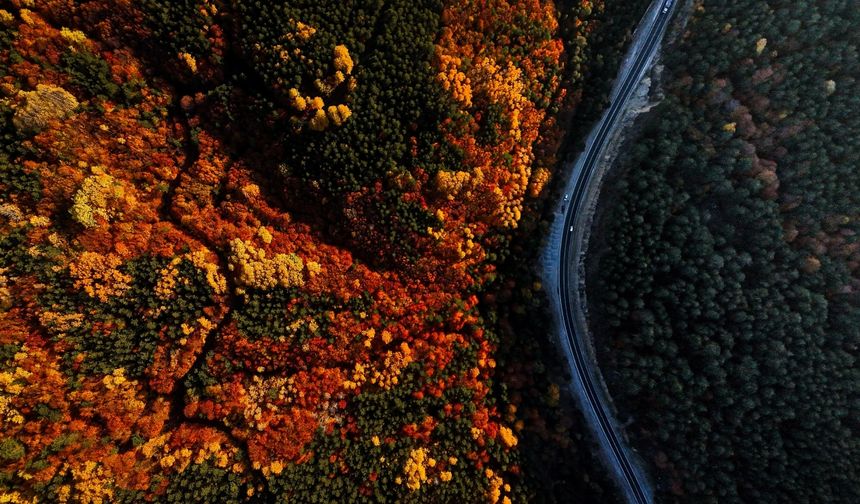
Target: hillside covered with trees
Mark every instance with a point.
(726, 298)
(274, 251)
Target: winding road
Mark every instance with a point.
(569, 253)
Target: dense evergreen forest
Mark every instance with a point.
(726, 298)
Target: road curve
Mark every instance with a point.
(569, 251)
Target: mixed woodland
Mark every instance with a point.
(278, 251)
(726, 295)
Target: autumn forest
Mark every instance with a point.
(259, 252)
(290, 251)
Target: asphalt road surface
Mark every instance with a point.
(643, 50)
